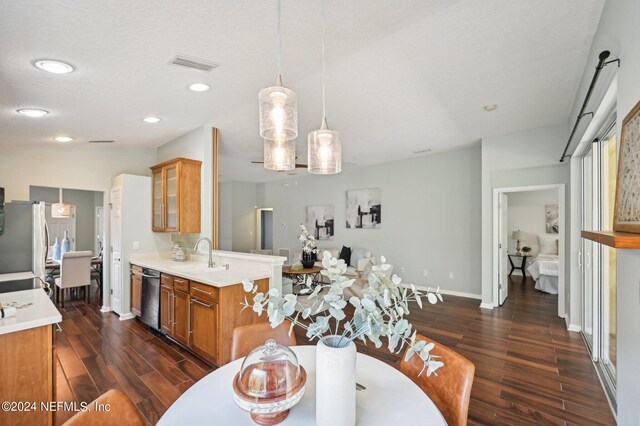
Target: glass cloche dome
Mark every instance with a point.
(269, 383)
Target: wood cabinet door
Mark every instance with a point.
(181, 320)
(203, 337)
(157, 206)
(166, 307)
(136, 294)
(172, 198)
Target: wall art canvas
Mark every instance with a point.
(320, 222)
(364, 208)
(551, 218)
(626, 217)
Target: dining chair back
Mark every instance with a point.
(248, 337)
(450, 389)
(75, 271)
(122, 411)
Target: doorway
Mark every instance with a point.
(529, 226)
(264, 229)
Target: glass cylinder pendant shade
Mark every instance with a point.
(278, 113)
(60, 210)
(325, 152)
(279, 155)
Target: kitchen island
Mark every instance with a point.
(199, 306)
(28, 356)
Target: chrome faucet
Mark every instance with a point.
(195, 248)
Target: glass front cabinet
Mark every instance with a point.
(176, 196)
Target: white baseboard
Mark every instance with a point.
(126, 316)
(105, 309)
(484, 305)
(571, 327)
(449, 292)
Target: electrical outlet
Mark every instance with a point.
(136, 245)
(450, 275)
(402, 270)
(425, 273)
(251, 233)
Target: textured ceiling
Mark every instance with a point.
(401, 75)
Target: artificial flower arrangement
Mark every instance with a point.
(378, 313)
(309, 243)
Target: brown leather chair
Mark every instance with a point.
(249, 337)
(122, 411)
(450, 390)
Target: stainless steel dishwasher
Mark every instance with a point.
(150, 298)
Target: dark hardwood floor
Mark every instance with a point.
(529, 369)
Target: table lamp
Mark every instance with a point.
(518, 236)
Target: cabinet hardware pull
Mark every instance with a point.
(189, 320)
(200, 303)
(202, 291)
(166, 286)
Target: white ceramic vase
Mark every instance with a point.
(335, 383)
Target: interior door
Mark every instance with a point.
(116, 250)
(503, 280)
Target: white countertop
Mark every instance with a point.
(198, 271)
(37, 310)
(15, 276)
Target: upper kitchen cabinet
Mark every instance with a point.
(176, 196)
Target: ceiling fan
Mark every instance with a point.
(298, 166)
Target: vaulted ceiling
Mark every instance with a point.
(402, 76)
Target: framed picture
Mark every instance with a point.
(551, 218)
(364, 209)
(320, 222)
(626, 217)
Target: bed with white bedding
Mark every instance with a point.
(544, 270)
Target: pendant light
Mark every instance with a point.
(324, 148)
(278, 104)
(61, 210)
(279, 155)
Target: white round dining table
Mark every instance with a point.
(390, 398)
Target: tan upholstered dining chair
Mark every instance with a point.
(122, 411)
(75, 271)
(248, 337)
(450, 390)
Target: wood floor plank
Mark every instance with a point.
(165, 391)
(152, 409)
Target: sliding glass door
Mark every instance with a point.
(599, 291)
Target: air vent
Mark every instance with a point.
(104, 141)
(194, 63)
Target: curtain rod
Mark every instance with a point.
(602, 62)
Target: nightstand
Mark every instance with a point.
(523, 262)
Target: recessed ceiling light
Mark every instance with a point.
(33, 112)
(151, 119)
(63, 139)
(55, 67)
(490, 107)
(199, 87)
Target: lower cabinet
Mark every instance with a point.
(136, 290)
(28, 365)
(181, 315)
(201, 317)
(203, 332)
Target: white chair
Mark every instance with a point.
(75, 271)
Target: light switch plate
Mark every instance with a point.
(136, 245)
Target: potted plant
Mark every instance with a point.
(309, 247)
(378, 313)
(526, 249)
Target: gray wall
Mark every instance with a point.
(244, 216)
(431, 215)
(85, 202)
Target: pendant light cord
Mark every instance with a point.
(278, 36)
(324, 113)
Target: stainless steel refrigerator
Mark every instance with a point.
(23, 241)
